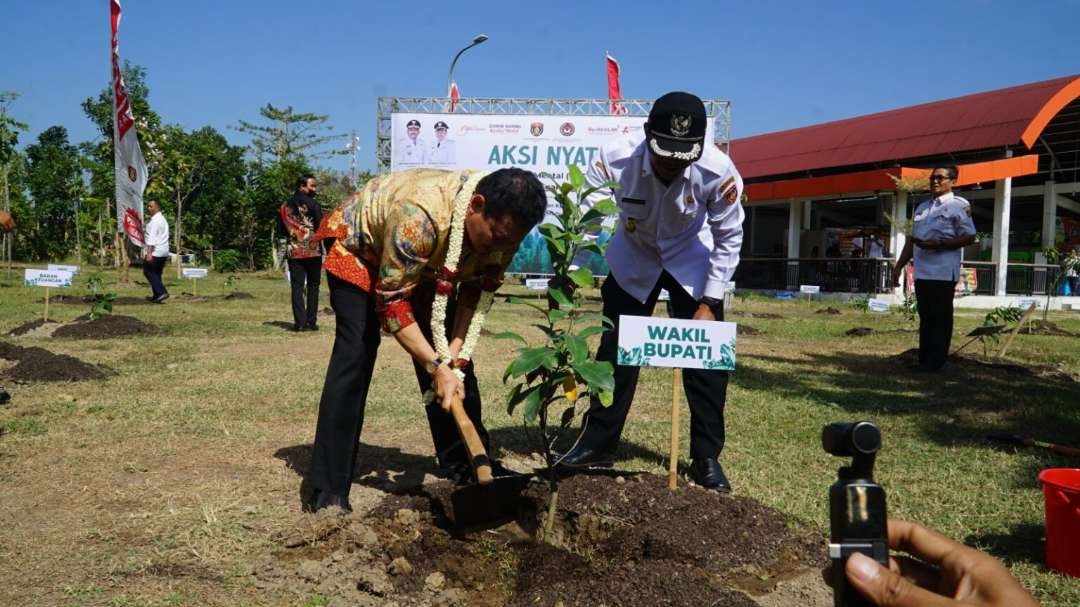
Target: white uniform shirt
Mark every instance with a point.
(157, 235)
(441, 152)
(412, 151)
(692, 228)
(940, 218)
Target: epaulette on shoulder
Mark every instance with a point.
(713, 161)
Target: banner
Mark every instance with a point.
(128, 159)
(542, 143)
(614, 91)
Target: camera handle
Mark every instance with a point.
(858, 523)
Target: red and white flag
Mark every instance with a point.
(128, 158)
(613, 91)
(453, 95)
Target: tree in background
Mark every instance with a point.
(54, 177)
(290, 135)
(9, 138)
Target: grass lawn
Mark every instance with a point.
(161, 484)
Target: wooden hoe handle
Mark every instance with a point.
(477, 454)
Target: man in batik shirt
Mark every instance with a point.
(390, 241)
(298, 218)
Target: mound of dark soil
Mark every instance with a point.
(766, 315)
(741, 329)
(859, 332)
(27, 327)
(617, 542)
(1045, 327)
(829, 310)
(69, 299)
(104, 327)
(191, 298)
(38, 364)
(239, 295)
(131, 301)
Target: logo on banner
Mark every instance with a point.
(132, 173)
(567, 129)
(133, 226)
(536, 128)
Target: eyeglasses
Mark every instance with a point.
(940, 178)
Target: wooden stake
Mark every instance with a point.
(46, 304)
(194, 287)
(1023, 319)
(673, 465)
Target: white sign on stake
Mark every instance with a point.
(194, 273)
(1026, 302)
(645, 341)
(877, 305)
(810, 289)
(55, 267)
(539, 284)
(47, 278)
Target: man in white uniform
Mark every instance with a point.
(940, 228)
(411, 151)
(442, 151)
(156, 251)
(680, 229)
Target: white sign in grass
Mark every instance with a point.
(645, 341)
(1026, 302)
(47, 278)
(56, 267)
(193, 273)
(877, 305)
(810, 289)
(536, 284)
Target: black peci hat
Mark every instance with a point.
(676, 127)
(440, 125)
(412, 122)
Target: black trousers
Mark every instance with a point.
(305, 271)
(152, 270)
(935, 301)
(348, 376)
(706, 390)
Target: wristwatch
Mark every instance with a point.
(716, 305)
(432, 366)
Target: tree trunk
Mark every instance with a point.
(179, 214)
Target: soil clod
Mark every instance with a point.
(859, 332)
(38, 364)
(107, 326)
(829, 310)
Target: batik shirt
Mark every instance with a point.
(395, 232)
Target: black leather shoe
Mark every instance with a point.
(323, 499)
(581, 457)
(708, 474)
(160, 298)
(5, 398)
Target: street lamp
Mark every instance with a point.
(450, 76)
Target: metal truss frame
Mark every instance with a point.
(508, 106)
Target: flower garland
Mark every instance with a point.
(444, 287)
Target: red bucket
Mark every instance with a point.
(1061, 488)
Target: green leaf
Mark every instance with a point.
(561, 298)
(556, 315)
(577, 178)
(597, 317)
(556, 246)
(528, 359)
(526, 302)
(578, 348)
(600, 210)
(599, 375)
(511, 335)
(532, 404)
(583, 277)
(606, 397)
(590, 331)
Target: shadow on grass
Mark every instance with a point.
(526, 441)
(963, 404)
(385, 468)
(1022, 543)
(280, 324)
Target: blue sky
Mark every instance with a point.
(782, 64)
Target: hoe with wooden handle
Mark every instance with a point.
(491, 501)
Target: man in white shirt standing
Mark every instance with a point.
(940, 228)
(680, 229)
(156, 251)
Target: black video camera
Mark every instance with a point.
(857, 521)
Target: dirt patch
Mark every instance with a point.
(38, 364)
(859, 332)
(190, 298)
(131, 301)
(1045, 327)
(741, 329)
(965, 361)
(765, 315)
(69, 299)
(627, 540)
(239, 295)
(29, 327)
(829, 310)
(105, 327)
